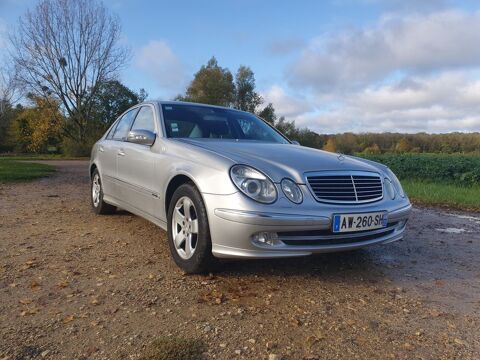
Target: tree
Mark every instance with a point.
(287, 128)
(331, 145)
(212, 85)
(9, 94)
(403, 146)
(372, 150)
(111, 100)
(36, 128)
(246, 98)
(63, 50)
(268, 114)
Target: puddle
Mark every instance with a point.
(466, 217)
(452, 230)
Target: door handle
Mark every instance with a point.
(101, 149)
(121, 152)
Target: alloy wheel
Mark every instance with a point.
(96, 189)
(185, 227)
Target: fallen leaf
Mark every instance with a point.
(68, 319)
(28, 312)
(34, 285)
(63, 284)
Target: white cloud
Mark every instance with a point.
(159, 61)
(286, 105)
(408, 73)
(411, 44)
(443, 103)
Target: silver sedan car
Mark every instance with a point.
(225, 184)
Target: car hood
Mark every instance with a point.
(282, 160)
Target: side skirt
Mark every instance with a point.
(116, 202)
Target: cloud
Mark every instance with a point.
(410, 44)
(426, 103)
(159, 61)
(285, 105)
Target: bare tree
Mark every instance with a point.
(65, 49)
(9, 89)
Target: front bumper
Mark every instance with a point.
(299, 234)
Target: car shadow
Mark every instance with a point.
(363, 262)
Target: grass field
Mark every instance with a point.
(440, 194)
(12, 170)
(39, 157)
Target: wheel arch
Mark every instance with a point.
(174, 183)
(92, 168)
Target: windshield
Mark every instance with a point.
(194, 121)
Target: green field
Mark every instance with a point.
(446, 195)
(12, 170)
(437, 179)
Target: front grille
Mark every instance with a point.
(344, 188)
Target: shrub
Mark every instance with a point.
(75, 148)
(448, 168)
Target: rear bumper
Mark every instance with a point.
(296, 234)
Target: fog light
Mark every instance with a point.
(266, 238)
(401, 224)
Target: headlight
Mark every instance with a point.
(292, 191)
(396, 183)
(253, 184)
(389, 188)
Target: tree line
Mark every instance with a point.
(61, 90)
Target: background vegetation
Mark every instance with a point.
(451, 180)
(52, 101)
(455, 169)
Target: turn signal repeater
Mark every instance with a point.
(389, 188)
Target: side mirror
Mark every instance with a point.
(295, 142)
(142, 137)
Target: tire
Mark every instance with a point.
(192, 251)
(96, 196)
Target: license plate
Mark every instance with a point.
(359, 222)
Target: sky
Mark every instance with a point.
(332, 66)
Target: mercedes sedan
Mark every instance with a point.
(225, 184)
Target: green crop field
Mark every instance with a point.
(437, 179)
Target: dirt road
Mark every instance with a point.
(74, 285)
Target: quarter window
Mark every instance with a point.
(111, 131)
(124, 125)
(144, 120)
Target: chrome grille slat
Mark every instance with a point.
(346, 187)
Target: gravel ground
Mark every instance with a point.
(78, 286)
